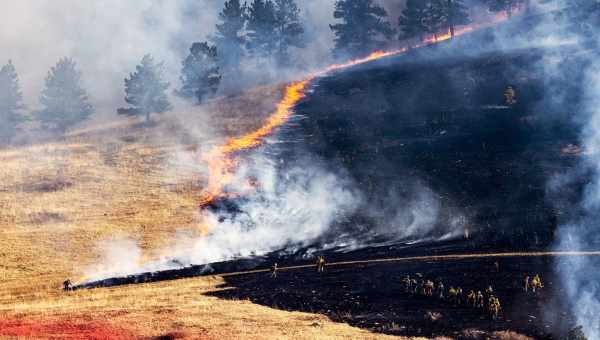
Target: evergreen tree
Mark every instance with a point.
(436, 17)
(200, 74)
(413, 20)
(262, 25)
(422, 17)
(229, 38)
(503, 5)
(363, 24)
(11, 101)
(289, 29)
(145, 90)
(455, 14)
(65, 101)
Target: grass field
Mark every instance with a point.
(60, 197)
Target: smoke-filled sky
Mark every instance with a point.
(108, 38)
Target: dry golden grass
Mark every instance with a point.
(60, 198)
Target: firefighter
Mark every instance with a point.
(321, 264)
(440, 290)
(407, 281)
(429, 288)
(67, 285)
(489, 292)
(510, 96)
(526, 283)
(494, 307)
(536, 283)
(274, 269)
(459, 295)
(420, 287)
(452, 294)
(472, 298)
(480, 299)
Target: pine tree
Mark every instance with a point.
(11, 101)
(229, 38)
(362, 27)
(200, 74)
(436, 17)
(503, 5)
(413, 19)
(456, 14)
(145, 90)
(432, 17)
(262, 25)
(65, 101)
(289, 29)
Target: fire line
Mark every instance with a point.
(221, 160)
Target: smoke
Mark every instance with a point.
(565, 72)
(285, 210)
(121, 256)
(580, 275)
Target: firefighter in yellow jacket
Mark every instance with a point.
(494, 307)
(510, 96)
(472, 298)
(321, 264)
(536, 283)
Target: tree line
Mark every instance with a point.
(265, 30)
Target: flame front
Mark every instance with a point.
(221, 159)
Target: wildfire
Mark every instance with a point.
(220, 160)
(221, 165)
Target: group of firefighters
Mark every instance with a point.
(479, 300)
(455, 295)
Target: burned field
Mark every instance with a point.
(404, 126)
(372, 296)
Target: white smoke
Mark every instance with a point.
(120, 256)
(289, 209)
(580, 275)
